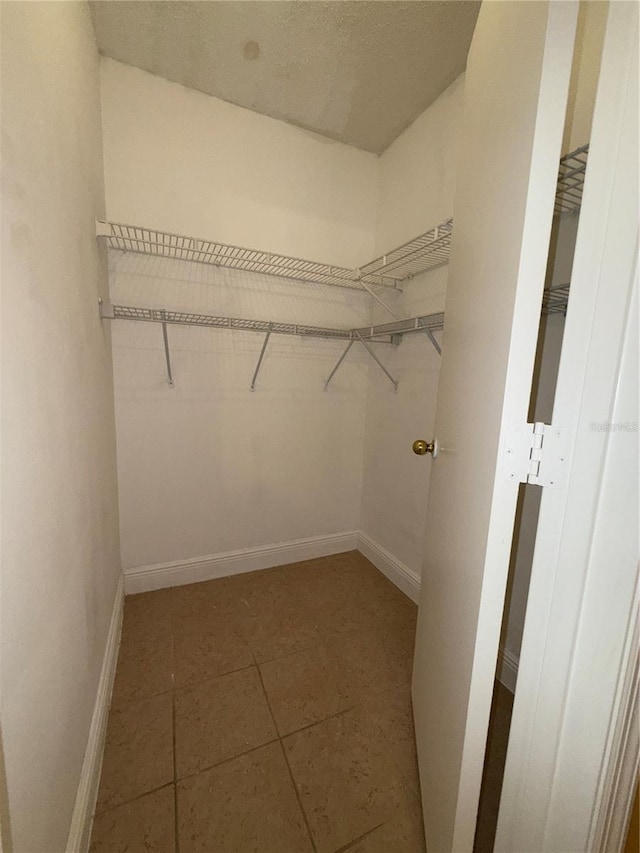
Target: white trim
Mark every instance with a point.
(80, 831)
(408, 582)
(398, 573)
(622, 756)
(507, 672)
(180, 572)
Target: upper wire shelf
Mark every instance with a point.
(571, 180)
(423, 253)
(426, 252)
(149, 241)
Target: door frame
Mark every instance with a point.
(567, 614)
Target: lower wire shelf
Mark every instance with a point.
(554, 301)
(383, 333)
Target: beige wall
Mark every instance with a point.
(60, 552)
(208, 467)
(416, 191)
(417, 173)
(182, 161)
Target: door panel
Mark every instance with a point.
(578, 637)
(515, 99)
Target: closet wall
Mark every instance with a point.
(60, 550)
(182, 161)
(416, 191)
(208, 468)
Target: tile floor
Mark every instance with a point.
(266, 712)
(270, 713)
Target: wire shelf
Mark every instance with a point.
(426, 252)
(432, 249)
(148, 241)
(423, 253)
(184, 318)
(571, 180)
(433, 322)
(556, 299)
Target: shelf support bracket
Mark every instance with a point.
(369, 349)
(340, 360)
(381, 302)
(167, 355)
(260, 357)
(433, 340)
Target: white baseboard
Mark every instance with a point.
(507, 672)
(398, 573)
(409, 582)
(82, 818)
(179, 572)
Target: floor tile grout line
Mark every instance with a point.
(323, 720)
(276, 739)
(175, 768)
(179, 687)
(226, 760)
(286, 761)
(266, 696)
(346, 847)
(298, 797)
(321, 638)
(135, 799)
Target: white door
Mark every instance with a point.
(515, 99)
(573, 711)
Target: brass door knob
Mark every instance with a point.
(422, 447)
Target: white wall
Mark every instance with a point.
(592, 22)
(417, 186)
(418, 173)
(60, 560)
(207, 466)
(182, 161)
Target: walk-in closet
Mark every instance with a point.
(296, 296)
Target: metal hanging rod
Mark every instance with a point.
(384, 333)
(389, 333)
(554, 301)
(423, 253)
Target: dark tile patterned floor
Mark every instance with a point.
(265, 712)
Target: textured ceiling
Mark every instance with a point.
(352, 70)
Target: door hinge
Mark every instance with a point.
(534, 453)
